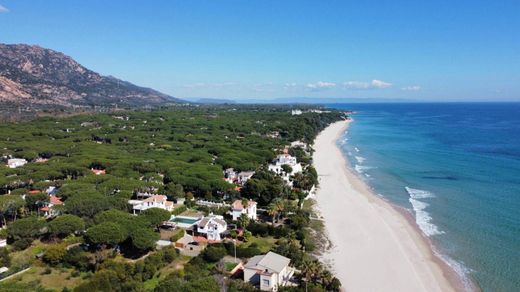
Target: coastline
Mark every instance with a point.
(376, 246)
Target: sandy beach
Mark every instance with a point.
(375, 248)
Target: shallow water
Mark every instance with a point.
(457, 168)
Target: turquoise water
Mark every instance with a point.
(456, 167)
(184, 220)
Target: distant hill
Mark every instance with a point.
(36, 77)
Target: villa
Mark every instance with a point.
(213, 227)
(230, 175)
(49, 210)
(155, 201)
(268, 271)
(16, 162)
(285, 159)
(244, 176)
(238, 208)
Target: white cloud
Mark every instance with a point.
(411, 88)
(321, 85)
(380, 84)
(3, 9)
(367, 85)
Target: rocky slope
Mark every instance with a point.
(37, 77)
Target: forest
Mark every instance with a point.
(96, 163)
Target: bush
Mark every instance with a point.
(178, 235)
(179, 210)
(22, 244)
(214, 252)
(54, 254)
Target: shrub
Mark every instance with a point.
(214, 252)
(178, 235)
(54, 254)
(22, 244)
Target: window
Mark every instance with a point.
(265, 282)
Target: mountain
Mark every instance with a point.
(36, 77)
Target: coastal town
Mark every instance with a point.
(251, 229)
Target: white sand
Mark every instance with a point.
(375, 248)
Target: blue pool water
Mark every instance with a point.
(457, 168)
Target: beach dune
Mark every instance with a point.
(374, 247)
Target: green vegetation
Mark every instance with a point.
(179, 152)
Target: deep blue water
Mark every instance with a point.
(461, 165)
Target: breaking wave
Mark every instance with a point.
(422, 218)
(360, 159)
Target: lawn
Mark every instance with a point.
(55, 280)
(263, 243)
(229, 266)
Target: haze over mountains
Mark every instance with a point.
(43, 78)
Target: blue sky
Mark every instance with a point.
(424, 50)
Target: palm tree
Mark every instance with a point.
(280, 207)
(310, 269)
(272, 211)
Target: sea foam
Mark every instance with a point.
(360, 159)
(361, 168)
(422, 218)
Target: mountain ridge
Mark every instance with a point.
(33, 76)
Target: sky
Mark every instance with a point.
(263, 49)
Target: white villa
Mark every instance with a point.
(16, 162)
(230, 175)
(268, 271)
(155, 201)
(238, 208)
(244, 176)
(213, 226)
(240, 178)
(287, 159)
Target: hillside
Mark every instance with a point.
(36, 77)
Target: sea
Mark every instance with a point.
(456, 168)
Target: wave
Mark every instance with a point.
(360, 159)
(422, 218)
(361, 168)
(357, 149)
(418, 194)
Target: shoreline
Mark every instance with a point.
(377, 246)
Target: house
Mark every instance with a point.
(285, 159)
(98, 171)
(155, 201)
(296, 112)
(268, 271)
(238, 208)
(16, 162)
(212, 226)
(49, 210)
(244, 176)
(51, 191)
(230, 175)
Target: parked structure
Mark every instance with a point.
(268, 272)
